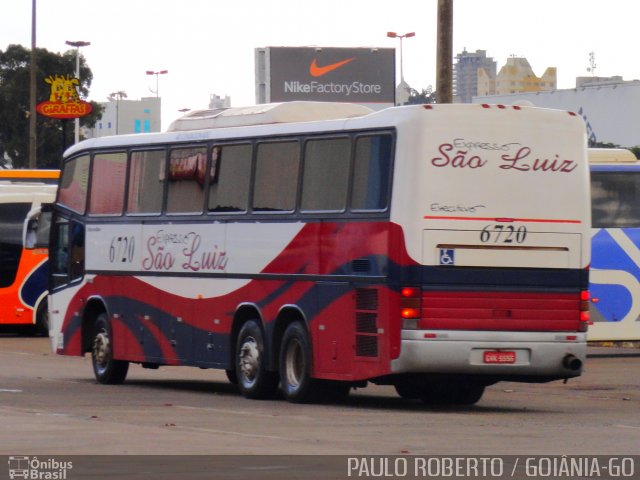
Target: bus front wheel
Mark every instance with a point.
(254, 380)
(106, 369)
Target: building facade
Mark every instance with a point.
(517, 76)
(121, 116)
(611, 111)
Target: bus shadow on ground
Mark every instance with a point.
(357, 399)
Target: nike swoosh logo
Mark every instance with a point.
(317, 71)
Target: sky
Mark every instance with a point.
(207, 46)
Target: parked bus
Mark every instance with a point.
(615, 264)
(437, 248)
(24, 240)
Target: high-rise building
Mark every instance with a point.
(468, 69)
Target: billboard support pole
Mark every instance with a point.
(444, 57)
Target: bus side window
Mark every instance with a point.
(276, 177)
(230, 178)
(146, 182)
(187, 168)
(371, 173)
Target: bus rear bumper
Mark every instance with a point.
(504, 355)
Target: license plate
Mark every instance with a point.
(499, 357)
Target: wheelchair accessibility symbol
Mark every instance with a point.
(447, 256)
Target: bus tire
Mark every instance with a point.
(106, 369)
(295, 366)
(452, 393)
(42, 319)
(254, 380)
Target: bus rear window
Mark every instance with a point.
(73, 184)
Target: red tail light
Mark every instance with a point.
(584, 310)
(410, 306)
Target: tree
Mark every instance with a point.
(53, 135)
(419, 98)
(635, 149)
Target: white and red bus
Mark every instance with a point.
(437, 248)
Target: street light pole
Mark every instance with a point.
(77, 45)
(406, 35)
(160, 72)
(33, 144)
(119, 95)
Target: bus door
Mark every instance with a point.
(66, 261)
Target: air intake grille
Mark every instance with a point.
(366, 320)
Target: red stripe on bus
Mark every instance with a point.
(503, 220)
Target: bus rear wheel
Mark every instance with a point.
(106, 369)
(298, 386)
(254, 380)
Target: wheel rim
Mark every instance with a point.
(101, 351)
(249, 360)
(294, 364)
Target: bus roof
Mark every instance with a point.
(267, 113)
(611, 155)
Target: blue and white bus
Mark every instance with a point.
(615, 262)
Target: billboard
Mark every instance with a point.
(64, 101)
(326, 74)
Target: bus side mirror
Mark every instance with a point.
(31, 233)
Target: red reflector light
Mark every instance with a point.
(410, 292)
(430, 335)
(410, 313)
(584, 295)
(584, 316)
(572, 337)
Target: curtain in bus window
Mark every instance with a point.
(107, 183)
(230, 177)
(73, 184)
(12, 217)
(187, 167)
(146, 181)
(371, 173)
(276, 178)
(615, 199)
(325, 176)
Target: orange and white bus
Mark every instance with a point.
(315, 247)
(24, 231)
